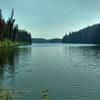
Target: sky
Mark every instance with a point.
(52, 18)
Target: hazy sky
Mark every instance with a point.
(52, 18)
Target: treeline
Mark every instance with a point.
(10, 31)
(43, 40)
(90, 34)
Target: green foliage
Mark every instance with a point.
(90, 34)
(5, 43)
(9, 32)
(5, 94)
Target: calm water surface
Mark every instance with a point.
(70, 72)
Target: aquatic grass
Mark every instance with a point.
(5, 94)
(44, 94)
(11, 94)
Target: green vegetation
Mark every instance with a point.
(10, 34)
(9, 94)
(43, 40)
(44, 94)
(90, 34)
(8, 43)
(5, 94)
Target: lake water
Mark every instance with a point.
(70, 72)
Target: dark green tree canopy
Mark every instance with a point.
(10, 31)
(90, 34)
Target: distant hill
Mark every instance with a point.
(42, 40)
(90, 34)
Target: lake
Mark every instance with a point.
(69, 71)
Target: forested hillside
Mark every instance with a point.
(9, 31)
(90, 34)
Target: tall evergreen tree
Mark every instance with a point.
(1, 25)
(90, 34)
(11, 32)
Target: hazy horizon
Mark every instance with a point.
(52, 18)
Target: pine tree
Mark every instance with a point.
(1, 25)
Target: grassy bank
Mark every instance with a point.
(8, 43)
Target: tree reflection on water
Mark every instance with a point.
(9, 61)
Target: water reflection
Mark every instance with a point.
(6, 61)
(67, 71)
(81, 50)
(9, 62)
(82, 56)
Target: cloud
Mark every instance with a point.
(52, 17)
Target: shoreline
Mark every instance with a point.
(8, 43)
